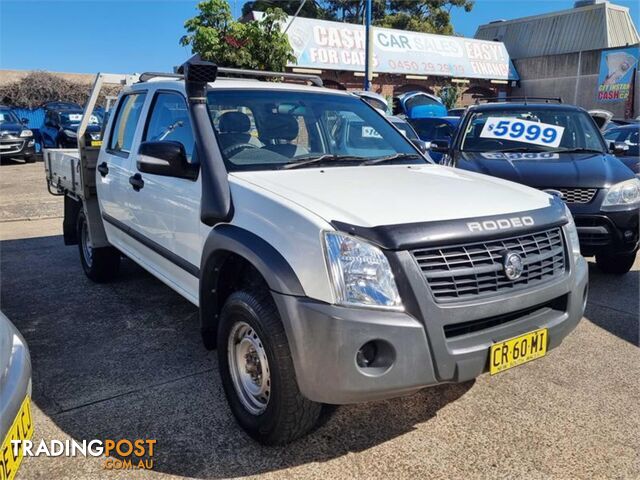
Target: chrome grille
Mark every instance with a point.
(576, 195)
(470, 270)
(11, 146)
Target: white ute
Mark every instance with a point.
(331, 262)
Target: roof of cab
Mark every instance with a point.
(227, 83)
(520, 105)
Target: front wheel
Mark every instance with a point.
(616, 264)
(99, 264)
(257, 371)
(30, 159)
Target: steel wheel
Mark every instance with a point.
(249, 368)
(87, 246)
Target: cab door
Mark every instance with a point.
(166, 210)
(113, 170)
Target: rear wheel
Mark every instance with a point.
(257, 371)
(616, 264)
(99, 264)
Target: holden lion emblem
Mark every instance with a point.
(512, 264)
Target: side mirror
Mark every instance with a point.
(24, 121)
(618, 148)
(439, 146)
(420, 145)
(166, 158)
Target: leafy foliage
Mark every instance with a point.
(450, 95)
(256, 45)
(39, 87)
(428, 16)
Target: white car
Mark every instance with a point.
(16, 422)
(322, 276)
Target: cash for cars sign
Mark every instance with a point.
(616, 74)
(341, 46)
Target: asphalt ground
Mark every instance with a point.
(124, 360)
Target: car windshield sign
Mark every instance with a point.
(532, 130)
(74, 118)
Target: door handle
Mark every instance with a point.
(136, 182)
(103, 168)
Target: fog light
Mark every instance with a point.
(375, 357)
(366, 355)
(628, 234)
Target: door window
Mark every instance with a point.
(125, 122)
(169, 121)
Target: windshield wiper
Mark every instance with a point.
(576, 150)
(302, 162)
(391, 158)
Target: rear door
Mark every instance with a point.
(113, 168)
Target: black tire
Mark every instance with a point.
(616, 264)
(287, 415)
(99, 264)
(30, 159)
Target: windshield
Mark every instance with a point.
(7, 116)
(531, 130)
(430, 129)
(72, 118)
(258, 130)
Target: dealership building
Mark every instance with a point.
(588, 55)
(402, 61)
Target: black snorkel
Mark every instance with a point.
(215, 203)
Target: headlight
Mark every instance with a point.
(26, 133)
(70, 133)
(572, 234)
(622, 196)
(360, 273)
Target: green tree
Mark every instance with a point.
(450, 95)
(258, 45)
(310, 8)
(428, 16)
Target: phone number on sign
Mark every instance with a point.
(426, 67)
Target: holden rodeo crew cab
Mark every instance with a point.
(328, 268)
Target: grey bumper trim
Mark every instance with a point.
(324, 339)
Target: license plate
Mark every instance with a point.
(96, 143)
(22, 429)
(519, 350)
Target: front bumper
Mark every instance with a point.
(17, 147)
(608, 232)
(325, 339)
(15, 378)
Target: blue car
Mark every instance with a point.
(414, 105)
(627, 135)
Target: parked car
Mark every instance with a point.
(408, 131)
(430, 129)
(414, 105)
(557, 148)
(326, 268)
(456, 112)
(16, 422)
(626, 135)
(61, 124)
(16, 140)
(376, 100)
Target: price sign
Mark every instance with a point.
(525, 131)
